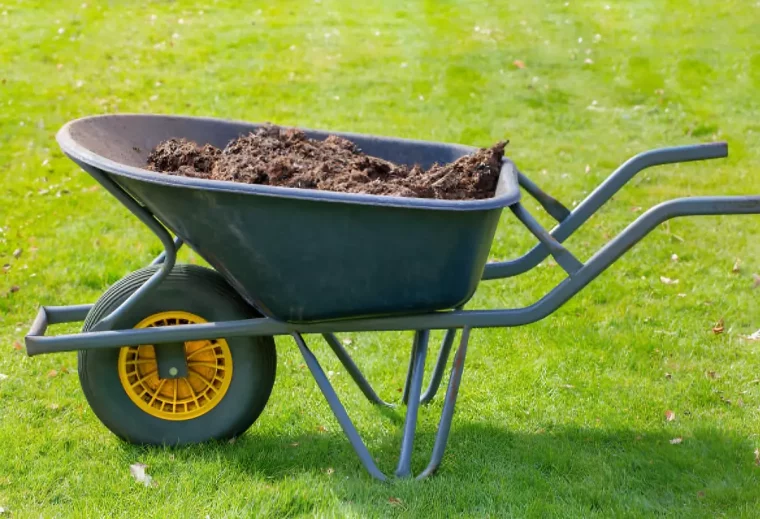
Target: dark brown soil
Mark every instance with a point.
(286, 157)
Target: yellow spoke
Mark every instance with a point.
(206, 364)
(158, 390)
(144, 377)
(141, 361)
(208, 384)
(192, 393)
(201, 350)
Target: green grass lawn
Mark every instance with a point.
(565, 417)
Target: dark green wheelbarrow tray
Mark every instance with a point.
(176, 354)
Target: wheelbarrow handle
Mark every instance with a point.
(706, 151)
(598, 197)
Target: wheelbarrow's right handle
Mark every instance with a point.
(569, 222)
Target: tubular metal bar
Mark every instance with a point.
(550, 204)
(48, 315)
(440, 366)
(599, 197)
(408, 380)
(444, 426)
(417, 338)
(354, 370)
(337, 408)
(433, 321)
(410, 423)
(419, 353)
(161, 257)
(170, 252)
(564, 257)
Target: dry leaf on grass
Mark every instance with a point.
(518, 63)
(711, 374)
(752, 337)
(757, 457)
(347, 342)
(668, 375)
(737, 266)
(395, 501)
(670, 415)
(17, 253)
(141, 476)
(17, 345)
(755, 280)
(669, 281)
(52, 373)
(676, 441)
(719, 327)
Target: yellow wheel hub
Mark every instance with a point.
(209, 366)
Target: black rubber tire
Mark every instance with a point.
(202, 292)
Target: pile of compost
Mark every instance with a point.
(286, 157)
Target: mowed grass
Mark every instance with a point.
(565, 417)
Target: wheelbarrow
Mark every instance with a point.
(176, 354)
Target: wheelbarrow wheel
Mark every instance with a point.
(227, 381)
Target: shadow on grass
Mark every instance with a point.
(488, 468)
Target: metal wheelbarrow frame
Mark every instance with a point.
(579, 274)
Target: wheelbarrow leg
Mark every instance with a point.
(353, 370)
(440, 367)
(419, 353)
(417, 370)
(418, 338)
(444, 427)
(337, 408)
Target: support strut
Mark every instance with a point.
(419, 351)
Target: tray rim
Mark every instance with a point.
(508, 192)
